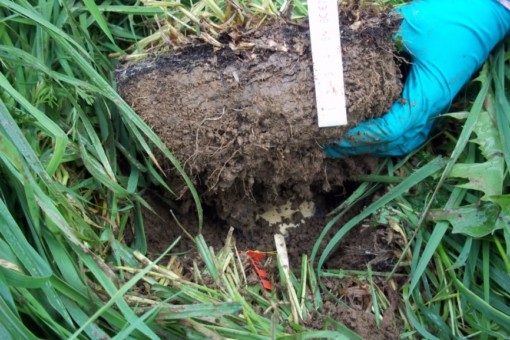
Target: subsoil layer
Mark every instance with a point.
(242, 119)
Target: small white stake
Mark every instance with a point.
(327, 62)
(283, 257)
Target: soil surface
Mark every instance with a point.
(242, 119)
(369, 243)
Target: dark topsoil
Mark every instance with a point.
(242, 121)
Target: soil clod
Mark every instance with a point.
(242, 119)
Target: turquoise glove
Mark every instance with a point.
(448, 41)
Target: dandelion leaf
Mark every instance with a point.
(488, 176)
(503, 220)
(472, 220)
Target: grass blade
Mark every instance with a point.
(99, 18)
(11, 326)
(422, 173)
(207, 256)
(204, 310)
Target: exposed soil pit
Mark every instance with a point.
(242, 119)
(379, 246)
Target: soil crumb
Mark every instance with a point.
(242, 119)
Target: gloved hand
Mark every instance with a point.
(448, 41)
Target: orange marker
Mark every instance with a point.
(255, 258)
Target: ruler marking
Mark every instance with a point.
(327, 62)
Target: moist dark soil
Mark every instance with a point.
(369, 243)
(356, 312)
(242, 119)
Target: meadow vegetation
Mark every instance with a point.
(75, 159)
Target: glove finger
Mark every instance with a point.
(400, 146)
(407, 142)
(405, 120)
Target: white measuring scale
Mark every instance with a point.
(327, 62)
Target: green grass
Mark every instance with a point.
(75, 158)
(455, 219)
